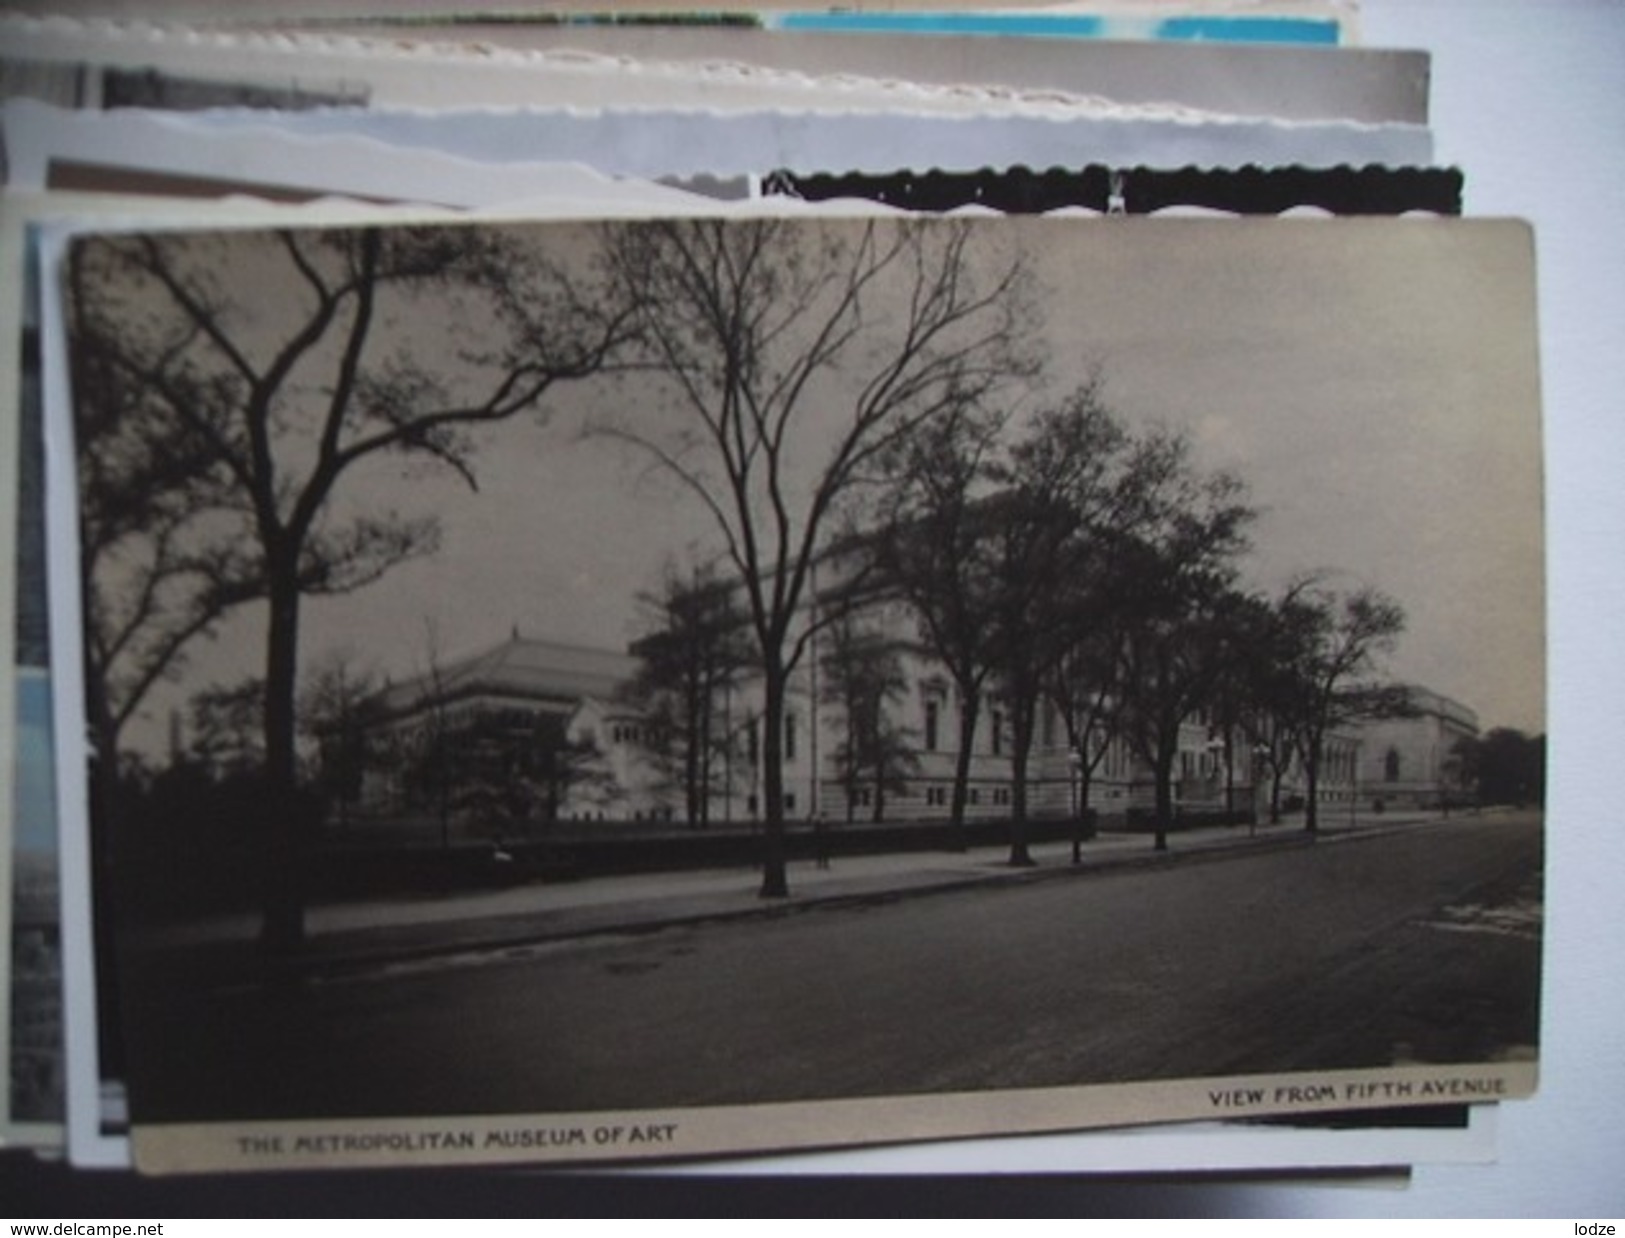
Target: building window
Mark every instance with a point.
(997, 720)
(789, 737)
(1001, 796)
(974, 795)
(933, 718)
(790, 802)
(1390, 765)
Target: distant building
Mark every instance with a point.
(532, 710)
(559, 715)
(1416, 760)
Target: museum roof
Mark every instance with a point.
(519, 667)
(1431, 702)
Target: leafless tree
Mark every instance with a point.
(338, 709)
(795, 355)
(1341, 636)
(1070, 486)
(863, 678)
(1083, 687)
(158, 567)
(1176, 574)
(288, 361)
(689, 661)
(930, 543)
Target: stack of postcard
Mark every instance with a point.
(949, 588)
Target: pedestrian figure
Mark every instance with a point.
(821, 839)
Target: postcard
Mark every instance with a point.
(1371, 85)
(487, 155)
(64, 1043)
(99, 1089)
(142, 64)
(431, 851)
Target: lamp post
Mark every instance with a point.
(1215, 752)
(1261, 752)
(1354, 786)
(1074, 762)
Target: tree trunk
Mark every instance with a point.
(1021, 746)
(1229, 778)
(1311, 770)
(691, 763)
(775, 879)
(702, 770)
(1163, 770)
(970, 704)
(1080, 810)
(287, 824)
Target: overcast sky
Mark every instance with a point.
(1373, 382)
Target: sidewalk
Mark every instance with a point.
(345, 938)
(365, 936)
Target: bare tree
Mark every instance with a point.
(158, 565)
(338, 709)
(1175, 574)
(227, 733)
(863, 677)
(930, 546)
(1070, 485)
(795, 355)
(690, 660)
(290, 360)
(431, 766)
(1083, 688)
(1509, 767)
(1342, 635)
(1284, 632)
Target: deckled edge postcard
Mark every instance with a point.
(295, 1092)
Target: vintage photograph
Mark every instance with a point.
(678, 687)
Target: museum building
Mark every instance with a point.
(526, 704)
(1417, 759)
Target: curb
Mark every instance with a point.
(363, 960)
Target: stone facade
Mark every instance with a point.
(489, 707)
(1415, 761)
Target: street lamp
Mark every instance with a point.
(1215, 751)
(1354, 786)
(1261, 754)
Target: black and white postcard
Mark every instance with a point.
(599, 691)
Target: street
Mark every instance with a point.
(1419, 946)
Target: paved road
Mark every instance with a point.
(1416, 946)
